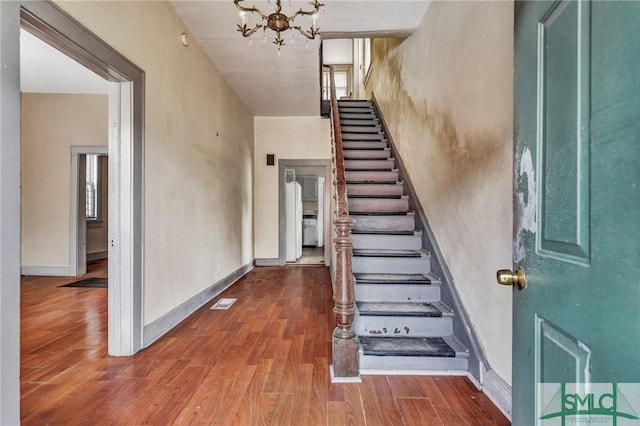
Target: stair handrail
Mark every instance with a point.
(344, 339)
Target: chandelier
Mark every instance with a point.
(278, 22)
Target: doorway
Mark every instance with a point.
(89, 237)
(313, 179)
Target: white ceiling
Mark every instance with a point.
(268, 84)
(44, 69)
(289, 84)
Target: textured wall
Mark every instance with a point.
(446, 92)
(198, 148)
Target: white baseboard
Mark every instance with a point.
(335, 379)
(49, 271)
(413, 372)
(97, 255)
(498, 391)
(165, 323)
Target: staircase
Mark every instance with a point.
(401, 321)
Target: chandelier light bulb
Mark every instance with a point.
(243, 17)
(250, 41)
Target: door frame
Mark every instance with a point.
(54, 26)
(77, 265)
(284, 164)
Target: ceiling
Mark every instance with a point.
(268, 84)
(289, 84)
(44, 69)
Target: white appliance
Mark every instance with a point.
(293, 221)
(320, 216)
(309, 233)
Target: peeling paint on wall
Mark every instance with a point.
(446, 93)
(525, 204)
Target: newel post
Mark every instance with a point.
(345, 341)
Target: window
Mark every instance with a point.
(342, 75)
(366, 62)
(93, 195)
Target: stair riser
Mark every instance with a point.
(357, 116)
(385, 223)
(371, 176)
(397, 326)
(363, 122)
(397, 292)
(378, 154)
(355, 189)
(364, 145)
(361, 137)
(392, 242)
(361, 129)
(413, 363)
(369, 164)
(355, 103)
(390, 265)
(355, 109)
(378, 205)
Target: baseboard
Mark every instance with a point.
(165, 323)
(267, 262)
(414, 373)
(498, 391)
(97, 255)
(49, 271)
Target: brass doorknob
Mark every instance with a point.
(508, 277)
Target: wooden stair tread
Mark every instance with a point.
(389, 253)
(406, 346)
(364, 278)
(378, 197)
(383, 232)
(400, 309)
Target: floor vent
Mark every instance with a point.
(224, 303)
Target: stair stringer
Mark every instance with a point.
(462, 329)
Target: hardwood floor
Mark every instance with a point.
(265, 360)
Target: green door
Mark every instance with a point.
(577, 212)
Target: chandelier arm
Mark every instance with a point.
(246, 32)
(317, 6)
(310, 35)
(249, 9)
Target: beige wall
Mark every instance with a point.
(198, 201)
(98, 236)
(299, 138)
(446, 92)
(51, 125)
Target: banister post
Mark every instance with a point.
(345, 341)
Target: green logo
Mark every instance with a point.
(591, 403)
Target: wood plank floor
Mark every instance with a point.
(263, 361)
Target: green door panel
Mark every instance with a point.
(577, 148)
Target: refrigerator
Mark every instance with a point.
(293, 221)
(320, 221)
